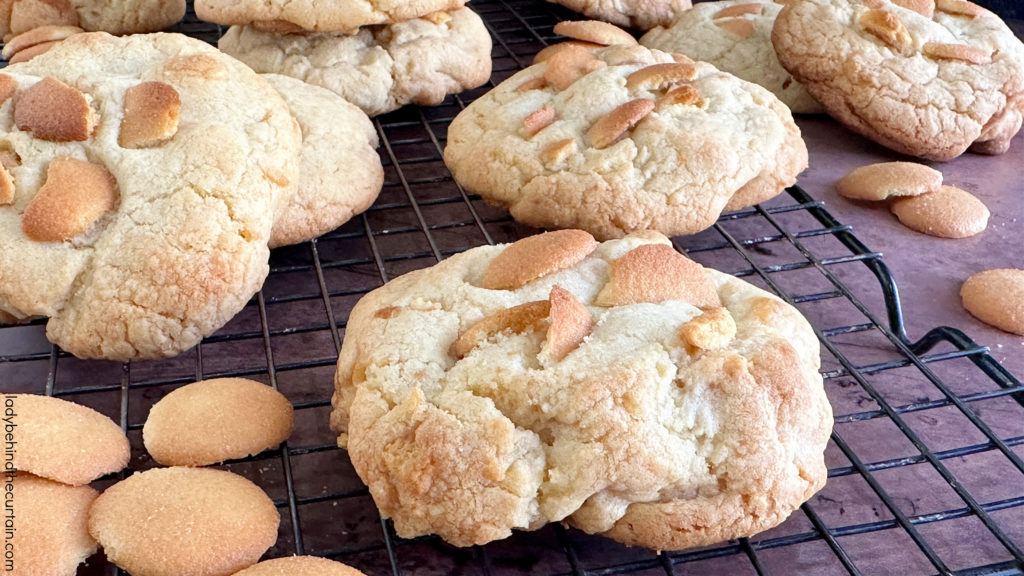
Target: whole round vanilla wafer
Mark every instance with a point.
(885, 179)
(996, 297)
(299, 565)
(64, 441)
(948, 212)
(173, 521)
(211, 421)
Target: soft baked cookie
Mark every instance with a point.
(173, 521)
(378, 68)
(140, 176)
(120, 17)
(299, 565)
(64, 441)
(735, 36)
(340, 173)
(947, 212)
(640, 14)
(211, 421)
(622, 138)
(996, 297)
(47, 527)
(930, 83)
(309, 15)
(619, 387)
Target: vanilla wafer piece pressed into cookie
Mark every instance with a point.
(470, 412)
(47, 533)
(179, 520)
(734, 36)
(377, 68)
(340, 173)
(996, 297)
(633, 138)
(144, 176)
(885, 179)
(211, 421)
(334, 16)
(930, 82)
(948, 212)
(64, 441)
(299, 565)
(638, 14)
(37, 36)
(122, 17)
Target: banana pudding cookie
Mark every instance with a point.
(622, 138)
(640, 14)
(121, 17)
(928, 78)
(735, 36)
(619, 387)
(313, 16)
(377, 68)
(137, 193)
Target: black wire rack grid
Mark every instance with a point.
(925, 467)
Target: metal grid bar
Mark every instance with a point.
(291, 332)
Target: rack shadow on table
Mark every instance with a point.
(925, 468)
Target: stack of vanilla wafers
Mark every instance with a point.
(378, 56)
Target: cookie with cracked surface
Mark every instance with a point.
(313, 16)
(931, 80)
(304, 565)
(50, 535)
(735, 36)
(622, 138)
(64, 441)
(178, 520)
(639, 14)
(618, 387)
(120, 17)
(340, 173)
(140, 177)
(378, 68)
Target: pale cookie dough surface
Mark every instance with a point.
(319, 15)
(50, 535)
(340, 173)
(927, 86)
(117, 17)
(656, 422)
(735, 36)
(674, 171)
(378, 68)
(182, 245)
(640, 14)
(64, 441)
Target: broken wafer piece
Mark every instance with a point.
(74, 197)
(537, 256)
(739, 10)
(567, 66)
(594, 31)
(661, 76)
(961, 52)
(711, 330)
(6, 186)
(884, 179)
(925, 8)
(32, 51)
(948, 212)
(52, 110)
(685, 94)
(959, 8)
(547, 52)
(888, 28)
(655, 273)
(151, 112)
(516, 320)
(614, 125)
(538, 120)
(738, 26)
(570, 324)
(558, 151)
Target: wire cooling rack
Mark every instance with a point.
(925, 467)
